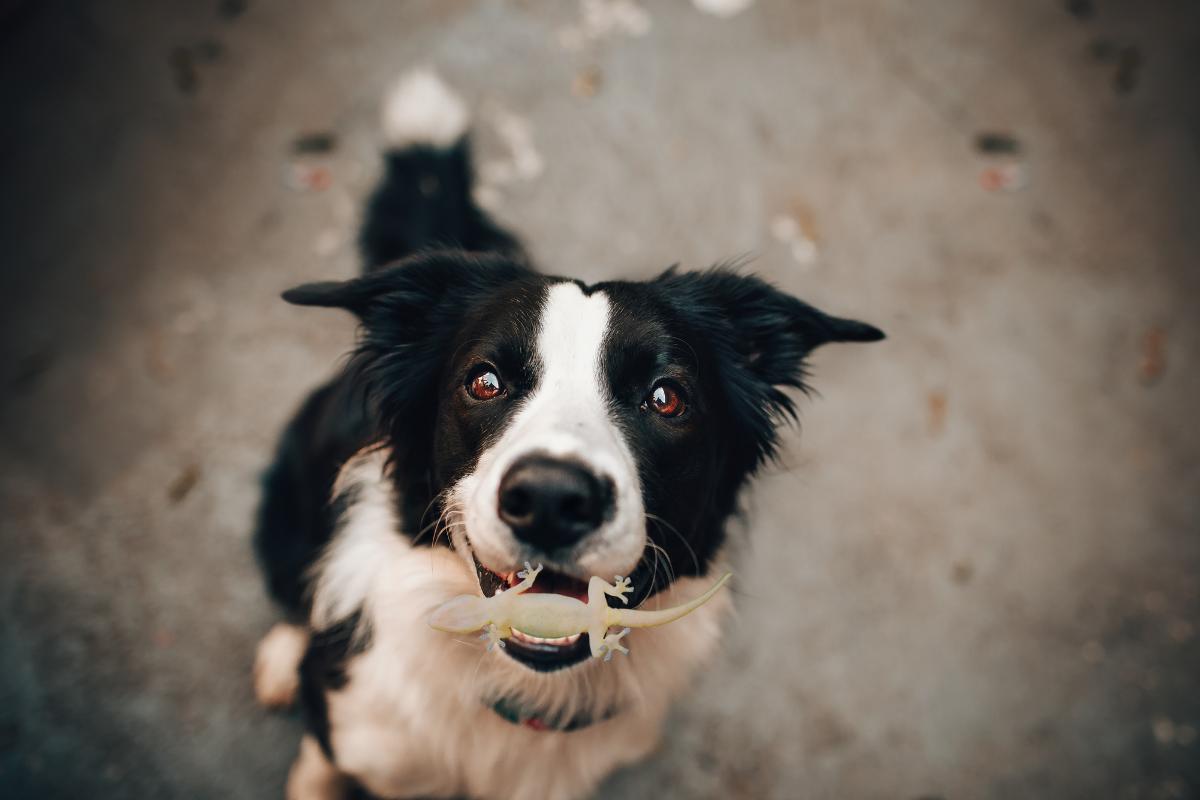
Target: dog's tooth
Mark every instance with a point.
(561, 641)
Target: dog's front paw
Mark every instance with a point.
(277, 665)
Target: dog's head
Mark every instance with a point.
(600, 430)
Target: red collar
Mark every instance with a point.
(518, 714)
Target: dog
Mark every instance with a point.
(491, 415)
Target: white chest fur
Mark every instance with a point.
(413, 718)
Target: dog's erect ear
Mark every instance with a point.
(761, 337)
(771, 330)
(352, 295)
(416, 282)
(410, 313)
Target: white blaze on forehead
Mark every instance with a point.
(571, 342)
(566, 416)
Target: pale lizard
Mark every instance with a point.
(553, 616)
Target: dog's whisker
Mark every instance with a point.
(665, 557)
(663, 524)
(432, 502)
(661, 554)
(451, 516)
(448, 528)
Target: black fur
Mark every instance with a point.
(731, 342)
(423, 319)
(297, 514)
(424, 200)
(324, 669)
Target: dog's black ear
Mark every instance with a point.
(773, 330)
(761, 338)
(413, 284)
(352, 295)
(409, 314)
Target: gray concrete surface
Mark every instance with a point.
(975, 574)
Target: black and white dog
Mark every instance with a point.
(491, 415)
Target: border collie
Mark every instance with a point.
(492, 415)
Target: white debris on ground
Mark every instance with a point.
(522, 162)
(722, 8)
(801, 244)
(600, 19)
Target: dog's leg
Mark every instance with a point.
(314, 777)
(277, 665)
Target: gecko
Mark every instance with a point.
(552, 616)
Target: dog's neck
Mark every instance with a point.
(520, 713)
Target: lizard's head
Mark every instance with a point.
(600, 430)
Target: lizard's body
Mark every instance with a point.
(553, 616)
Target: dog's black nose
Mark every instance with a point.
(551, 504)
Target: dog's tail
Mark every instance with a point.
(424, 198)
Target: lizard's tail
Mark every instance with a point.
(464, 614)
(637, 618)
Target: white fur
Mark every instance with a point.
(723, 8)
(421, 109)
(413, 718)
(277, 664)
(312, 777)
(567, 417)
(351, 565)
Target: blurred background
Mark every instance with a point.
(975, 574)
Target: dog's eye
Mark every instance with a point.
(483, 383)
(666, 399)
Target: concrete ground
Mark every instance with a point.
(975, 575)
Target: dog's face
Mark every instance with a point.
(599, 430)
(529, 440)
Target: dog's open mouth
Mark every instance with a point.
(544, 655)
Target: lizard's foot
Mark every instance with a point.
(612, 644)
(529, 571)
(494, 636)
(620, 588)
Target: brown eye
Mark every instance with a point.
(667, 400)
(484, 384)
